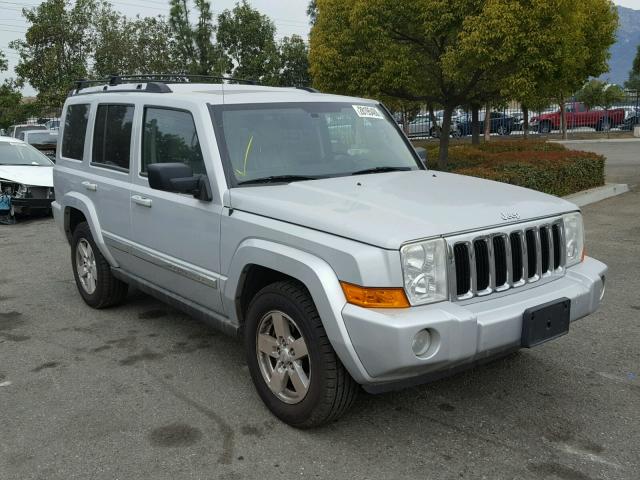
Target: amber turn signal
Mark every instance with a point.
(375, 297)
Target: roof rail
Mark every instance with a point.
(308, 89)
(156, 83)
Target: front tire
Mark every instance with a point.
(297, 373)
(97, 286)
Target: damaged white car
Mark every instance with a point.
(26, 179)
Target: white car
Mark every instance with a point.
(26, 177)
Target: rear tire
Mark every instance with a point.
(277, 370)
(95, 282)
(545, 127)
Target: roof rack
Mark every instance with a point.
(155, 83)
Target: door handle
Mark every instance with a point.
(90, 186)
(140, 200)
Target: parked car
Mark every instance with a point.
(630, 122)
(26, 177)
(17, 131)
(421, 125)
(339, 258)
(52, 124)
(500, 123)
(44, 140)
(578, 115)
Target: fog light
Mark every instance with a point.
(602, 291)
(421, 342)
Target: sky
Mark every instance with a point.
(289, 16)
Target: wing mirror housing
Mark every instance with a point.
(179, 178)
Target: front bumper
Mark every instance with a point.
(462, 334)
(26, 204)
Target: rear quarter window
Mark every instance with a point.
(75, 129)
(112, 136)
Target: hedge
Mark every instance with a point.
(547, 167)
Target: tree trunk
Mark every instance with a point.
(487, 123)
(475, 125)
(525, 124)
(563, 120)
(444, 139)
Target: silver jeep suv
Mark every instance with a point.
(309, 225)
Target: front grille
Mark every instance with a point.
(38, 192)
(498, 261)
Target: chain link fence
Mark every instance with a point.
(509, 120)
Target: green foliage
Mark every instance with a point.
(196, 52)
(544, 166)
(247, 39)
(633, 83)
(597, 93)
(133, 46)
(57, 46)
(12, 109)
(3, 62)
(294, 62)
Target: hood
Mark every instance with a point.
(28, 175)
(389, 209)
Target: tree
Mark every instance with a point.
(312, 11)
(248, 40)
(56, 48)
(294, 62)
(430, 51)
(10, 97)
(197, 54)
(597, 93)
(633, 83)
(133, 46)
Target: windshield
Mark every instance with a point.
(19, 133)
(44, 138)
(309, 141)
(21, 154)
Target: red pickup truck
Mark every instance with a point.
(578, 115)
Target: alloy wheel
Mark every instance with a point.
(283, 357)
(86, 266)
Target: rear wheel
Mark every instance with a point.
(545, 127)
(297, 373)
(97, 286)
(503, 130)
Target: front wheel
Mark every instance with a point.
(297, 373)
(545, 127)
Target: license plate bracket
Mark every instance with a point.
(545, 322)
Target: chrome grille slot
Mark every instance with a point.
(463, 272)
(545, 249)
(483, 276)
(532, 254)
(556, 234)
(517, 254)
(484, 263)
(500, 259)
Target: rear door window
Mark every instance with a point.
(75, 129)
(112, 136)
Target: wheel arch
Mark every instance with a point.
(256, 262)
(77, 208)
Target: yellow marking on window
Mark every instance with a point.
(243, 172)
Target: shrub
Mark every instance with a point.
(556, 173)
(547, 167)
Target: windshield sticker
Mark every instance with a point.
(365, 111)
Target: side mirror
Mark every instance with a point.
(422, 153)
(179, 178)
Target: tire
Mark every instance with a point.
(502, 130)
(545, 127)
(603, 125)
(108, 290)
(330, 390)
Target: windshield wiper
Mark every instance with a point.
(277, 179)
(381, 170)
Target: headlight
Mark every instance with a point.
(424, 267)
(574, 238)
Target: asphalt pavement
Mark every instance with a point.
(142, 391)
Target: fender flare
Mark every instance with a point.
(318, 277)
(85, 205)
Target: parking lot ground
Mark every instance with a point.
(144, 392)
